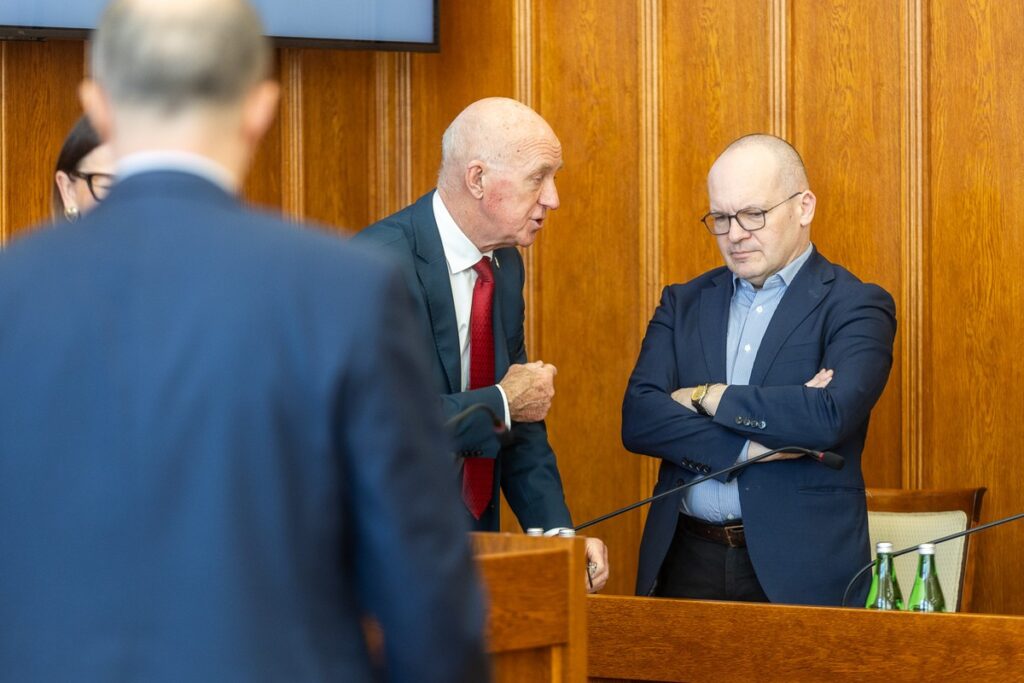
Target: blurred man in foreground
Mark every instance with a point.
(216, 451)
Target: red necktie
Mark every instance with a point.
(478, 473)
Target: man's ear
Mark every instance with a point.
(475, 178)
(96, 106)
(259, 110)
(807, 205)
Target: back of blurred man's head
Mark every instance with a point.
(188, 75)
(166, 57)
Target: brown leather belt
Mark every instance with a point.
(730, 534)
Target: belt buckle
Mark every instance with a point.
(737, 540)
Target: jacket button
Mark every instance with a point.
(706, 469)
(763, 424)
(739, 420)
(746, 422)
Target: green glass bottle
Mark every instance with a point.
(927, 593)
(885, 589)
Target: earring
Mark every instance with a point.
(71, 213)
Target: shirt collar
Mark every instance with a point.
(173, 160)
(459, 251)
(783, 278)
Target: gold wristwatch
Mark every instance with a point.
(697, 399)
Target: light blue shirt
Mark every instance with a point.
(750, 312)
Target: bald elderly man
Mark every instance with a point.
(779, 347)
(458, 244)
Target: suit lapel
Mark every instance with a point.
(806, 293)
(714, 324)
(501, 295)
(432, 271)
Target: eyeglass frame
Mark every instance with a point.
(731, 216)
(88, 178)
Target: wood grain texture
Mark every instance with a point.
(587, 257)
(477, 59)
(688, 640)
(38, 106)
(973, 372)
(715, 89)
(537, 621)
(845, 121)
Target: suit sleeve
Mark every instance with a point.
(858, 347)
(408, 536)
(653, 423)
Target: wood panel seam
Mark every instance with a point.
(779, 70)
(292, 158)
(523, 28)
(913, 210)
(5, 217)
(650, 227)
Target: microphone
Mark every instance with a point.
(831, 460)
(904, 551)
(498, 424)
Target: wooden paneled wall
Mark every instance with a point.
(908, 114)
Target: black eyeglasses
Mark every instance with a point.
(749, 219)
(99, 184)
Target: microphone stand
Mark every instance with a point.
(904, 551)
(834, 461)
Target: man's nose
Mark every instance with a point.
(549, 195)
(736, 232)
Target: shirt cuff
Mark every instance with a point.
(504, 402)
(744, 452)
(554, 532)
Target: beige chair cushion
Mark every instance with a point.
(904, 529)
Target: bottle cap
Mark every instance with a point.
(884, 548)
(926, 548)
(535, 531)
(567, 532)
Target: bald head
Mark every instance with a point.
(772, 155)
(495, 130)
(497, 177)
(169, 56)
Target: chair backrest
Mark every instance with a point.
(908, 517)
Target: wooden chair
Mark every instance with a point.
(905, 517)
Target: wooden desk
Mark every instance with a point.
(646, 639)
(537, 620)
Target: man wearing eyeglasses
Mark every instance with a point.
(779, 347)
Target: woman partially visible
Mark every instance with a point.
(84, 173)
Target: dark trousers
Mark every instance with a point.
(704, 570)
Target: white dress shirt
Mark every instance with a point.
(461, 255)
(171, 160)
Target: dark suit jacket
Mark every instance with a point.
(806, 525)
(526, 469)
(215, 454)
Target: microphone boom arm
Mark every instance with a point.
(834, 461)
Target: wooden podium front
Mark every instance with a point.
(646, 639)
(537, 609)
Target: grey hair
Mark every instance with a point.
(170, 56)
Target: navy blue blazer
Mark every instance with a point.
(806, 525)
(215, 454)
(525, 469)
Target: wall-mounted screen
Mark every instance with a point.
(355, 24)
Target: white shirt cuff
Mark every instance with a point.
(554, 532)
(504, 402)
